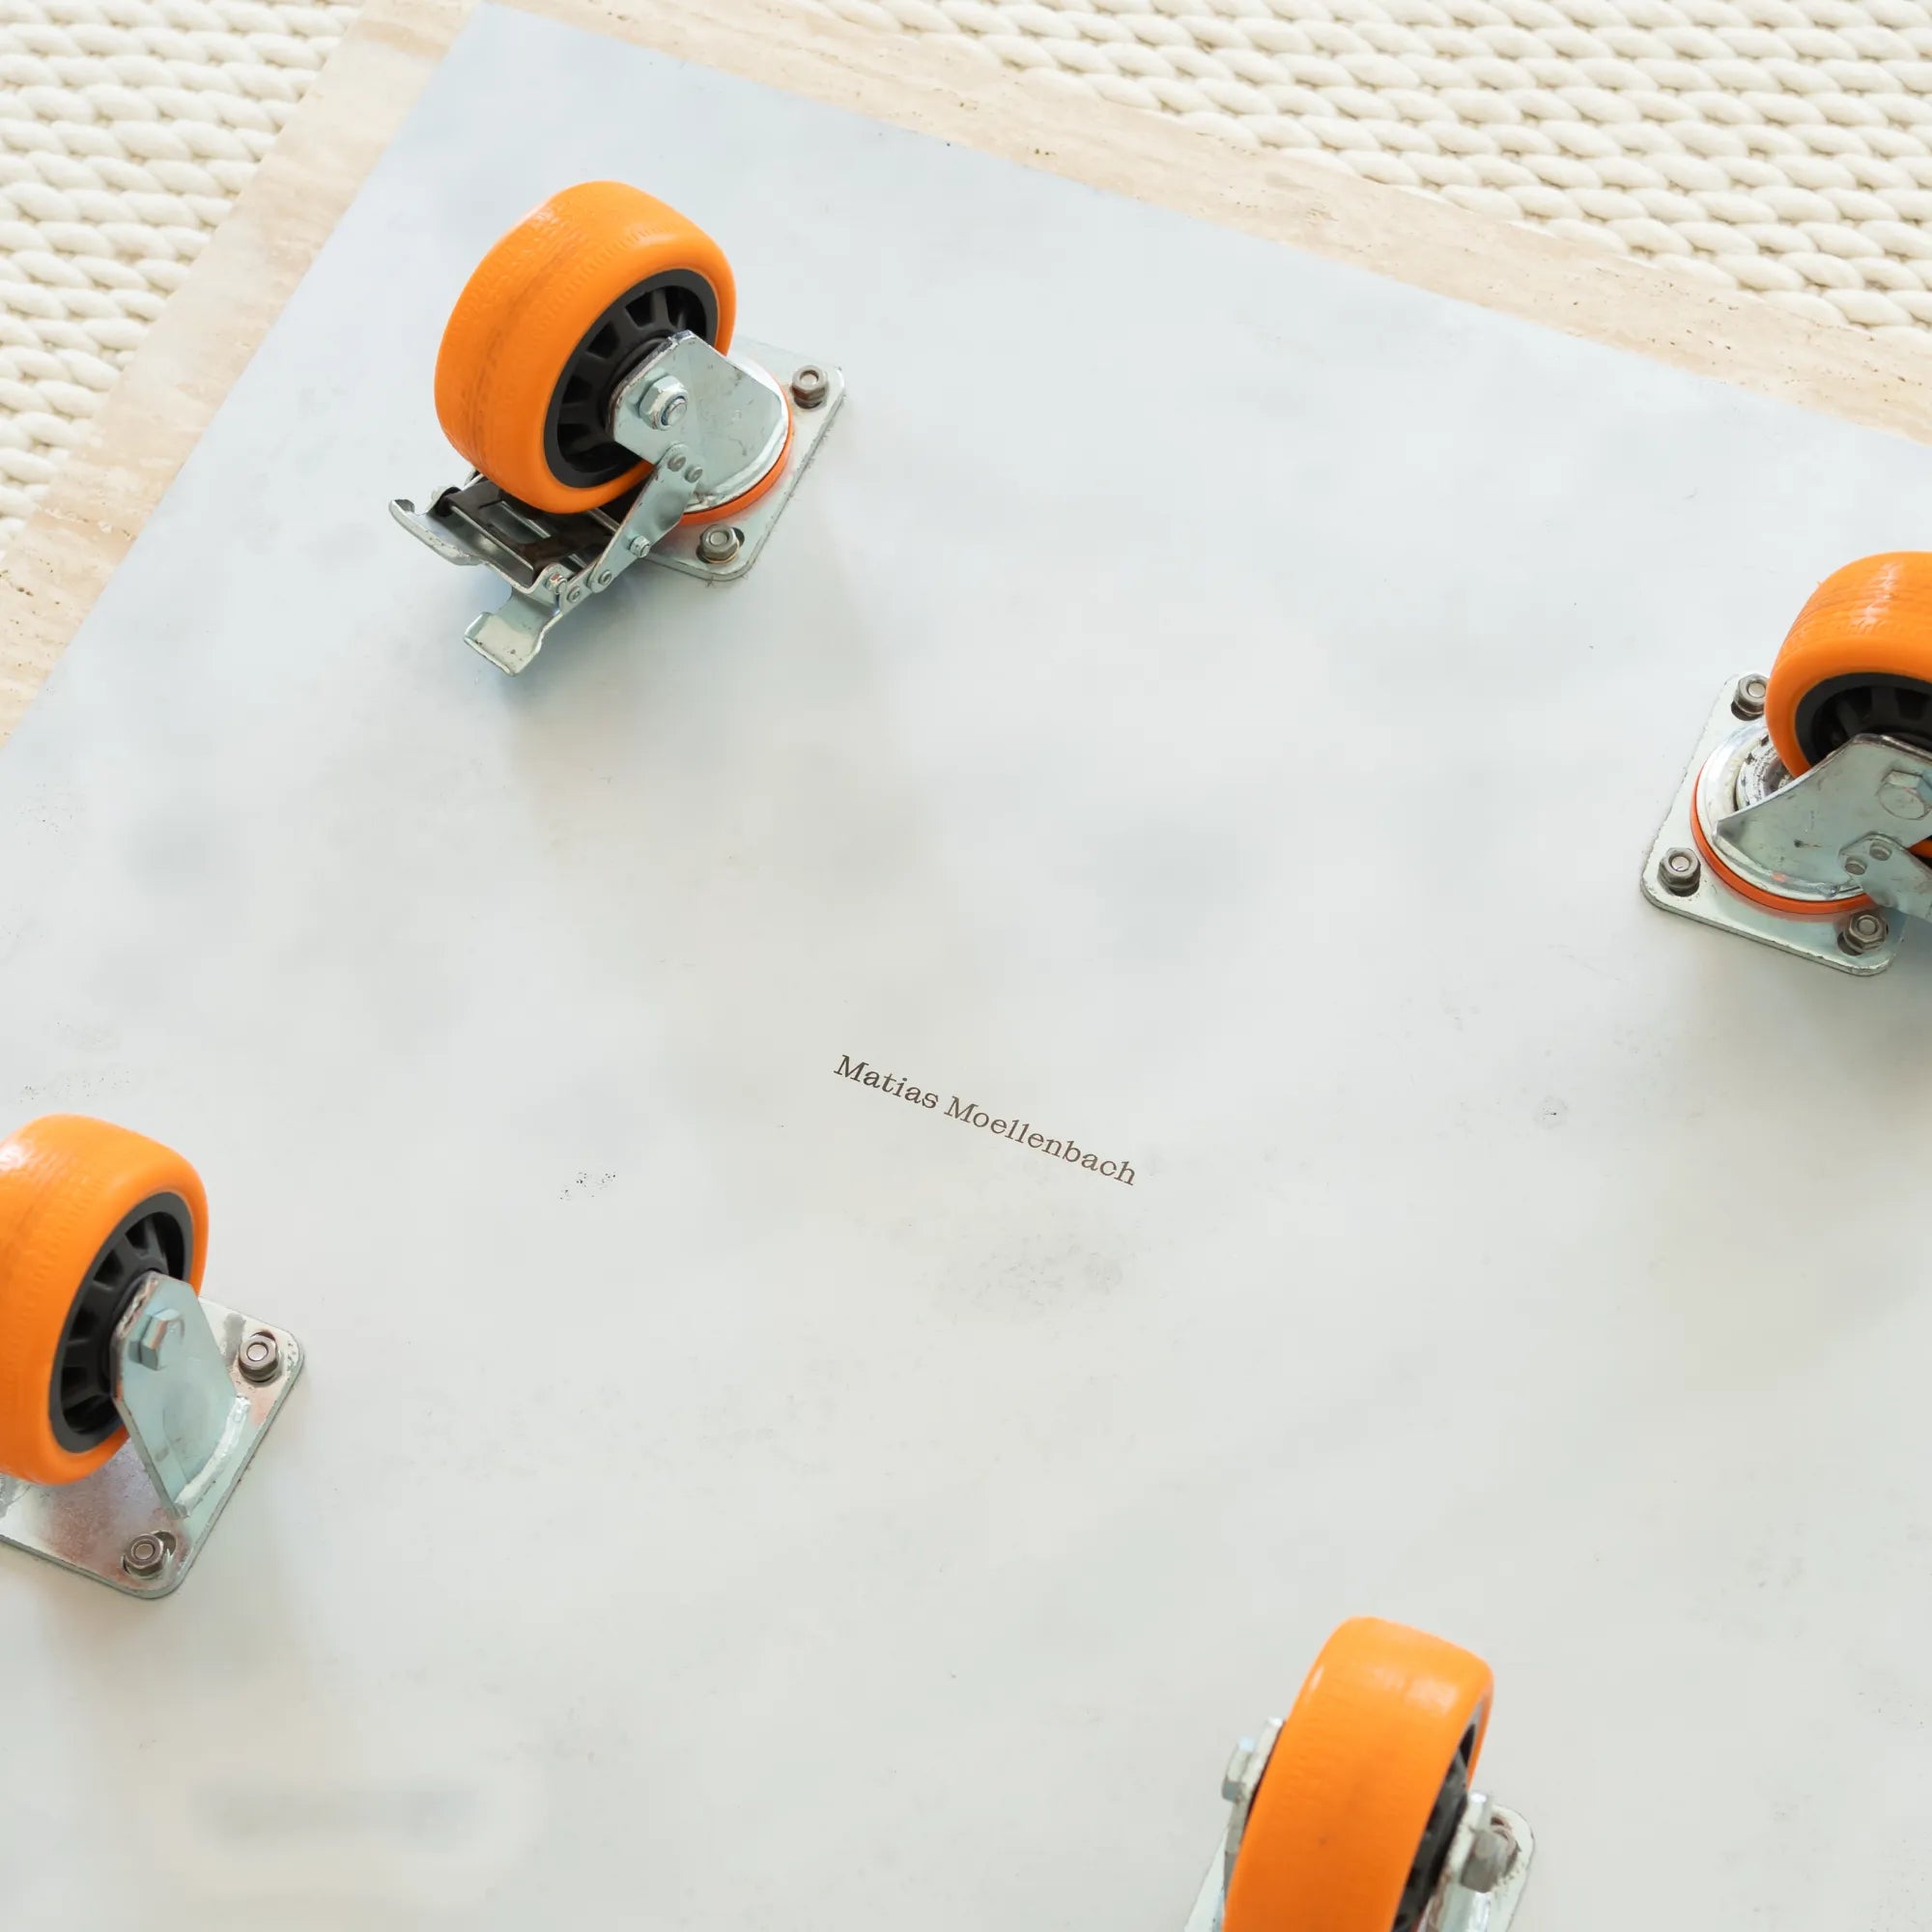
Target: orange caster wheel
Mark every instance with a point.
(590, 375)
(573, 298)
(1857, 662)
(128, 1407)
(1805, 819)
(1356, 1814)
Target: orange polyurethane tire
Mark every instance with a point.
(1347, 1795)
(1873, 617)
(67, 1182)
(532, 301)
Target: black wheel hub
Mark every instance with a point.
(1843, 708)
(1444, 1816)
(577, 431)
(157, 1237)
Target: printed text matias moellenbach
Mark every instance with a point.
(976, 1116)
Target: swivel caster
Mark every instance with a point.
(1356, 1813)
(128, 1405)
(1806, 819)
(589, 375)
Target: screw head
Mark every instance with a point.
(158, 1338)
(260, 1357)
(1863, 931)
(1679, 871)
(146, 1556)
(809, 386)
(719, 544)
(675, 461)
(1879, 850)
(665, 402)
(1748, 699)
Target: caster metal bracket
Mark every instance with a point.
(711, 426)
(1835, 841)
(1484, 1872)
(197, 1385)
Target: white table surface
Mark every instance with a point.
(1208, 701)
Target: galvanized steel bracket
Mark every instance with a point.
(711, 426)
(1834, 843)
(1484, 1870)
(196, 1385)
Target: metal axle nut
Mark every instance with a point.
(1235, 1780)
(159, 1336)
(1679, 871)
(1490, 1856)
(665, 402)
(809, 386)
(1902, 794)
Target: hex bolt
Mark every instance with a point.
(664, 401)
(146, 1556)
(1491, 1853)
(1235, 1780)
(1863, 931)
(1748, 699)
(260, 1357)
(158, 1338)
(808, 386)
(719, 544)
(1679, 871)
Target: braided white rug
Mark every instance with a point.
(1781, 146)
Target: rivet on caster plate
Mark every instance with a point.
(1805, 820)
(1356, 1813)
(609, 414)
(139, 1402)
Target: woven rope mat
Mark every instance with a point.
(1774, 145)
